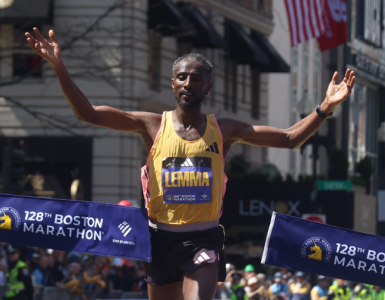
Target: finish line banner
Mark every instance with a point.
(80, 226)
(312, 247)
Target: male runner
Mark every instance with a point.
(183, 179)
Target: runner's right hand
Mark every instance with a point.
(49, 51)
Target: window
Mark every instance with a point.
(231, 79)
(372, 19)
(370, 22)
(27, 64)
(154, 60)
(18, 59)
(244, 83)
(255, 89)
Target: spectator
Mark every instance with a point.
(107, 277)
(42, 275)
(140, 285)
(252, 289)
(278, 289)
(300, 289)
(261, 279)
(232, 288)
(35, 260)
(3, 254)
(320, 291)
(3, 267)
(57, 267)
(92, 280)
(249, 272)
(72, 281)
(262, 290)
(378, 293)
(19, 279)
(340, 290)
(363, 292)
(116, 268)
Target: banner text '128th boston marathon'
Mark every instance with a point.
(312, 247)
(81, 226)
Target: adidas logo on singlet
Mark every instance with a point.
(187, 163)
(213, 148)
(202, 258)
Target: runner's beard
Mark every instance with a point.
(184, 103)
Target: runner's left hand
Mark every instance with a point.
(337, 93)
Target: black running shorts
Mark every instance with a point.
(175, 252)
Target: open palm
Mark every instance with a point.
(337, 93)
(49, 51)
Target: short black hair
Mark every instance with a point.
(194, 57)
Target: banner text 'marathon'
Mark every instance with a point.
(71, 232)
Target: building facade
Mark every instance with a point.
(120, 54)
(366, 109)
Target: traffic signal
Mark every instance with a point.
(13, 170)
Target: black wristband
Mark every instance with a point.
(321, 114)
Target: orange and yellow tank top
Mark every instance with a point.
(184, 181)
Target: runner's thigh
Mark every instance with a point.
(201, 284)
(172, 291)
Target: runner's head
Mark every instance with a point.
(191, 80)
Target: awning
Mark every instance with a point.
(276, 63)
(27, 12)
(206, 36)
(241, 47)
(164, 17)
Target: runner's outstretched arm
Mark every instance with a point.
(266, 136)
(103, 116)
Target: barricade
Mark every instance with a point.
(51, 292)
(133, 295)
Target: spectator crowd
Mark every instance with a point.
(74, 272)
(287, 284)
(79, 274)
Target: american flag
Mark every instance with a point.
(305, 19)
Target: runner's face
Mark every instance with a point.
(191, 83)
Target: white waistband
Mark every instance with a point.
(184, 227)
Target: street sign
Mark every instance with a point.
(319, 218)
(334, 185)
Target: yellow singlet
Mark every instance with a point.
(184, 181)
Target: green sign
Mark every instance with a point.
(334, 185)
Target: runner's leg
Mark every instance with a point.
(201, 284)
(172, 291)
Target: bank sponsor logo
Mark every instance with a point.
(9, 216)
(316, 248)
(125, 228)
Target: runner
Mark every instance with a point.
(184, 180)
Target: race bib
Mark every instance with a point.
(187, 180)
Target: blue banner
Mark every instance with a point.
(312, 247)
(80, 226)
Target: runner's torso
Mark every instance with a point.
(183, 181)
